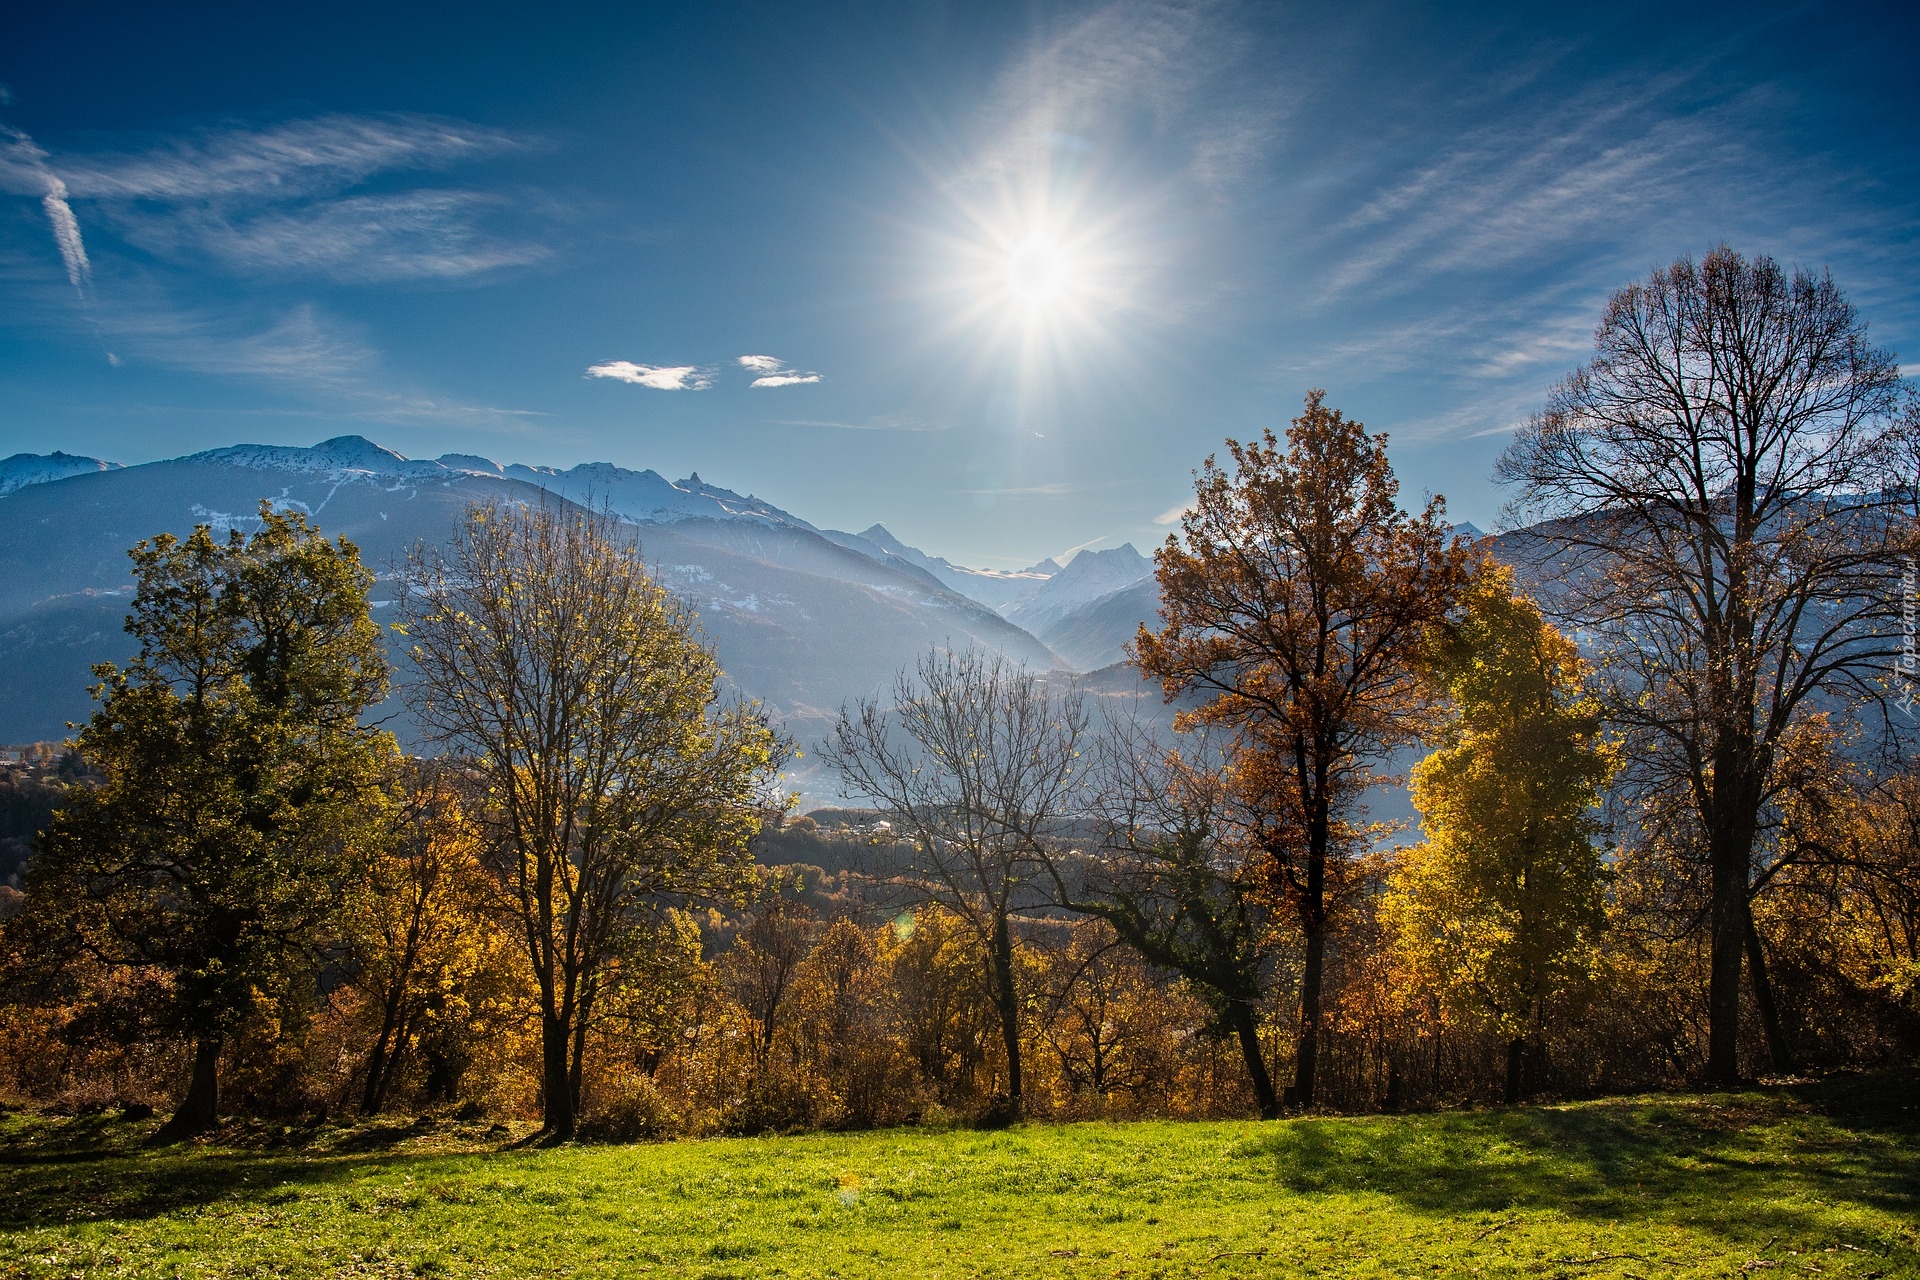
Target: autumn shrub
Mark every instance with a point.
(628, 1108)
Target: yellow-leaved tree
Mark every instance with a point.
(1500, 908)
(428, 934)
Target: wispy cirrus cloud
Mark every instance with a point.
(299, 346)
(1052, 490)
(771, 371)
(300, 352)
(318, 155)
(1173, 515)
(417, 235)
(278, 200)
(1539, 178)
(671, 377)
(1529, 333)
(879, 422)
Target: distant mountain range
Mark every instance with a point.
(994, 588)
(803, 618)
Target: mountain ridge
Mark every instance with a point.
(800, 622)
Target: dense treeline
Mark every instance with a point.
(1685, 848)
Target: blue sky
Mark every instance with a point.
(1004, 273)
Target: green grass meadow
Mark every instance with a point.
(1817, 1179)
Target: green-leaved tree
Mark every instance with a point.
(237, 773)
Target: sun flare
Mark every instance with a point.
(1038, 272)
(1039, 285)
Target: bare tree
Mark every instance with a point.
(761, 965)
(1177, 876)
(1723, 523)
(978, 764)
(581, 693)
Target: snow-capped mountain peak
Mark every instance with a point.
(995, 588)
(649, 497)
(23, 469)
(341, 458)
(644, 497)
(1087, 577)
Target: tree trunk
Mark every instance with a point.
(556, 1081)
(1778, 1050)
(1248, 1031)
(1308, 1053)
(200, 1108)
(443, 1075)
(1730, 857)
(379, 1060)
(371, 1096)
(1516, 1071)
(1008, 1004)
(1313, 923)
(575, 1069)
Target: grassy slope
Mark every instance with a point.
(1818, 1179)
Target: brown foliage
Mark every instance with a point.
(1295, 600)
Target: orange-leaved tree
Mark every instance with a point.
(1294, 603)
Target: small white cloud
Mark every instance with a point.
(676, 377)
(1173, 515)
(775, 372)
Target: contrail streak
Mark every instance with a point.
(66, 234)
(66, 228)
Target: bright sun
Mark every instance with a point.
(1048, 281)
(1037, 272)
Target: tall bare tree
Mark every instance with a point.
(1294, 601)
(1722, 519)
(580, 691)
(978, 763)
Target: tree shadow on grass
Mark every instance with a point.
(1746, 1165)
(86, 1172)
